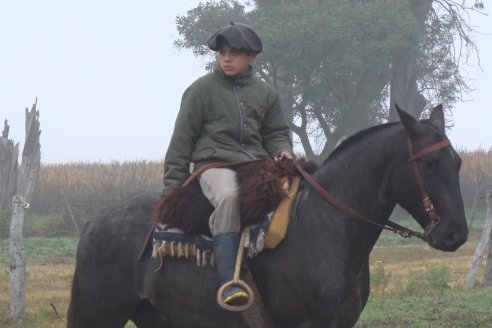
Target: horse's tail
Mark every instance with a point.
(75, 309)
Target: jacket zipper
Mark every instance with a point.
(240, 123)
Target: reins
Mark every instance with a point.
(391, 226)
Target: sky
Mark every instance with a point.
(108, 80)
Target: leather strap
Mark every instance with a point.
(428, 206)
(402, 231)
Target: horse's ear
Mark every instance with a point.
(406, 119)
(437, 118)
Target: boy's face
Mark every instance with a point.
(235, 62)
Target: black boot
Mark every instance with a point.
(225, 251)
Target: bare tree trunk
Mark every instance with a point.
(484, 241)
(403, 90)
(27, 178)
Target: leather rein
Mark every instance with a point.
(434, 218)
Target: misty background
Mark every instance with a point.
(109, 80)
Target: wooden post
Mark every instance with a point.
(8, 168)
(28, 174)
(75, 224)
(478, 192)
(487, 276)
(477, 257)
(17, 261)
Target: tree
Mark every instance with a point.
(26, 180)
(339, 64)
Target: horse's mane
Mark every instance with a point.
(355, 138)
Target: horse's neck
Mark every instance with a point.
(356, 178)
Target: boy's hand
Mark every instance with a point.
(284, 155)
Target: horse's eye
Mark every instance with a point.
(430, 164)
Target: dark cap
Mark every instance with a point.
(238, 36)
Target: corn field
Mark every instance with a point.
(68, 195)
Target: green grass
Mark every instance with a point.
(423, 296)
(43, 250)
(449, 308)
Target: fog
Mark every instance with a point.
(109, 81)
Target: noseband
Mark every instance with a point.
(391, 226)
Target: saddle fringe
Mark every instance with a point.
(182, 250)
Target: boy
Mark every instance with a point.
(226, 115)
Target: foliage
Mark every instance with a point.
(432, 281)
(334, 62)
(334, 71)
(379, 278)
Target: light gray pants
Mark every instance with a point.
(219, 185)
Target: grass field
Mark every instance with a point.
(412, 285)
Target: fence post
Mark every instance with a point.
(487, 276)
(28, 174)
(74, 221)
(477, 257)
(476, 197)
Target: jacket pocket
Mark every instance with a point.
(203, 154)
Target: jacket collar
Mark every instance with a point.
(240, 79)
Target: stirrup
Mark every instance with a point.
(240, 300)
(236, 296)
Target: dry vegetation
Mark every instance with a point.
(475, 176)
(403, 261)
(48, 293)
(86, 188)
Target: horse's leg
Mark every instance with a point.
(146, 316)
(76, 317)
(83, 311)
(187, 295)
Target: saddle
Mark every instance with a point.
(267, 189)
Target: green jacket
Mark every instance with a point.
(225, 119)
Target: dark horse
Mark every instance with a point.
(317, 277)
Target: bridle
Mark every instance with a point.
(434, 218)
(428, 206)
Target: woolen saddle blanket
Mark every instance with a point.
(169, 241)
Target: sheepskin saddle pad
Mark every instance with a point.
(182, 228)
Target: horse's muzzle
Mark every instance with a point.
(448, 240)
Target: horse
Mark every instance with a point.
(318, 276)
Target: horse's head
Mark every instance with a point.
(438, 164)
